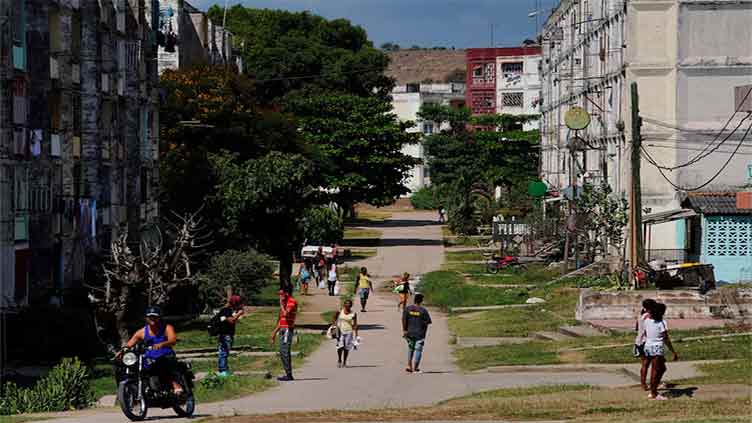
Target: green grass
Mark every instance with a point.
(737, 371)
(518, 322)
(232, 387)
(549, 352)
(529, 353)
(460, 256)
(355, 233)
(447, 289)
(522, 392)
(717, 349)
(361, 254)
(251, 331)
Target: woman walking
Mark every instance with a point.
(332, 278)
(365, 286)
(346, 322)
(402, 287)
(639, 348)
(304, 276)
(656, 341)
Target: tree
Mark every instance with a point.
(291, 51)
(390, 46)
(246, 272)
(473, 156)
(600, 219)
(151, 274)
(323, 226)
(361, 142)
(264, 199)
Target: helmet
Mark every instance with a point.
(153, 311)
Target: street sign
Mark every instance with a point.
(577, 118)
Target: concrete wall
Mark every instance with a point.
(718, 303)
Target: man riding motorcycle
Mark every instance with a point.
(159, 339)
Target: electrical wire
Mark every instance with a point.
(705, 152)
(652, 161)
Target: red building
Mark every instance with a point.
(482, 73)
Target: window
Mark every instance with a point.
(54, 22)
(512, 100)
(428, 128)
(511, 69)
(478, 71)
(19, 22)
(76, 36)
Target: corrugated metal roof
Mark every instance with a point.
(668, 216)
(714, 203)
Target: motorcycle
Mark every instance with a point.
(139, 389)
(497, 263)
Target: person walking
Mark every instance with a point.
(331, 279)
(402, 287)
(365, 287)
(228, 319)
(415, 321)
(304, 276)
(639, 346)
(286, 330)
(320, 263)
(656, 340)
(346, 322)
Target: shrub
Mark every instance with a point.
(248, 272)
(323, 226)
(425, 199)
(66, 387)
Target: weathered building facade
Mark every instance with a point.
(687, 57)
(79, 122)
(407, 100)
(504, 80)
(192, 39)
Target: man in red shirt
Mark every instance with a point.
(285, 329)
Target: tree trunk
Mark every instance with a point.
(285, 270)
(120, 323)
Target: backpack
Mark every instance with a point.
(214, 325)
(304, 275)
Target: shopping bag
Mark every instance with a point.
(336, 288)
(322, 284)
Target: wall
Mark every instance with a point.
(718, 303)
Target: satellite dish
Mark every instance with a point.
(537, 189)
(150, 241)
(577, 118)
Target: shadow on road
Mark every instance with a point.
(678, 393)
(391, 242)
(402, 223)
(370, 327)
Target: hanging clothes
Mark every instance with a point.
(36, 142)
(93, 211)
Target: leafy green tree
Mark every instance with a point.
(264, 199)
(323, 226)
(473, 156)
(290, 51)
(361, 142)
(247, 272)
(601, 218)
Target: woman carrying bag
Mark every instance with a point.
(346, 328)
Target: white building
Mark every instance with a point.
(518, 84)
(407, 101)
(686, 57)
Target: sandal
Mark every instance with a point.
(409, 370)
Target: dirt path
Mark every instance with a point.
(411, 242)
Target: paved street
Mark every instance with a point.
(376, 377)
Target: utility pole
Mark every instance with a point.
(635, 193)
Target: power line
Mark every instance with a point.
(695, 149)
(705, 152)
(660, 170)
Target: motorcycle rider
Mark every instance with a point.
(159, 338)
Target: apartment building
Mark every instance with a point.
(79, 126)
(504, 80)
(407, 101)
(192, 39)
(686, 57)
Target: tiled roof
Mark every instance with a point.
(714, 203)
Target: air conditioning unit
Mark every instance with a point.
(54, 69)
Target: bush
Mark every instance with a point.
(425, 199)
(66, 387)
(248, 272)
(448, 289)
(323, 226)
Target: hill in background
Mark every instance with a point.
(414, 66)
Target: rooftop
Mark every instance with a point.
(714, 203)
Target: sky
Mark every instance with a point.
(426, 23)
